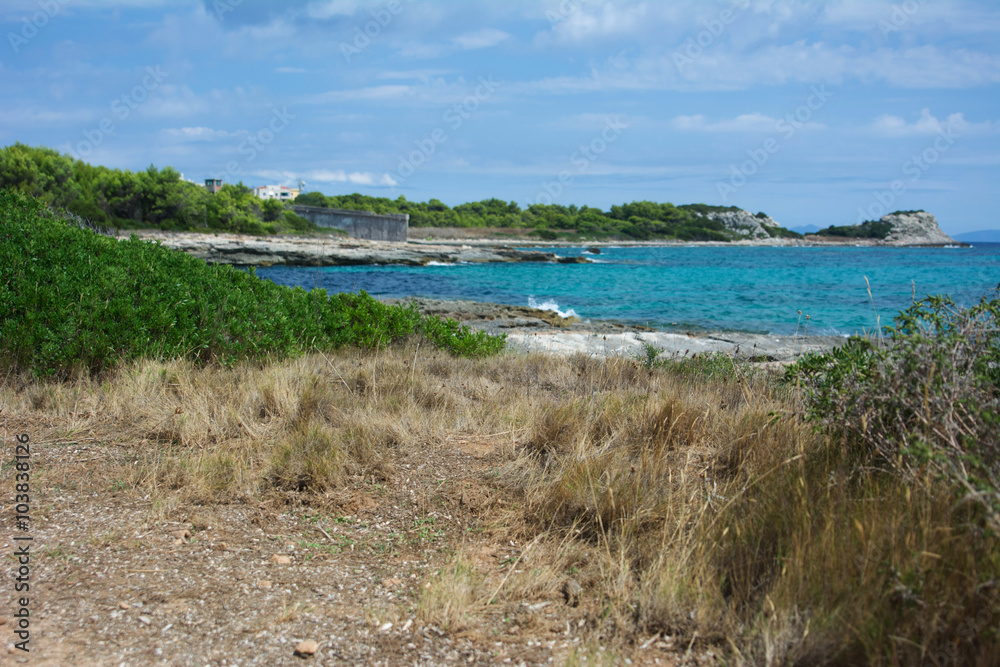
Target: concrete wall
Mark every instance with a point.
(359, 224)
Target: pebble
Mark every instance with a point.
(124, 605)
(307, 648)
(279, 559)
(144, 620)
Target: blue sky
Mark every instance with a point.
(817, 113)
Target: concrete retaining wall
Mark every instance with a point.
(358, 224)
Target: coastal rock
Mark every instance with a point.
(633, 344)
(312, 251)
(915, 228)
(745, 223)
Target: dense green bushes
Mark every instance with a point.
(71, 298)
(150, 199)
(871, 229)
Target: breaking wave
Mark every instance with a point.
(550, 305)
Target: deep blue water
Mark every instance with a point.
(696, 288)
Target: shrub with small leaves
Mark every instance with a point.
(928, 400)
(72, 299)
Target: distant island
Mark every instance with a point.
(905, 228)
(161, 200)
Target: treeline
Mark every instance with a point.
(871, 229)
(638, 220)
(150, 199)
(160, 199)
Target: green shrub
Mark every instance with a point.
(545, 234)
(872, 229)
(926, 402)
(73, 299)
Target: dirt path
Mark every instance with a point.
(119, 581)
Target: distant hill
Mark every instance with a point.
(982, 236)
(806, 229)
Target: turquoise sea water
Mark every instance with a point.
(696, 288)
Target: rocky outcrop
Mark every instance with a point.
(299, 251)
(534, 330)
(915, 228)
(744, 223)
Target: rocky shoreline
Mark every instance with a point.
(544, 331)
(243, 250)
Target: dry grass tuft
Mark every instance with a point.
(696, 507)
(450, 597)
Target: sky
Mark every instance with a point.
(816, 113)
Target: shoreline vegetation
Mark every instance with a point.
(159, 200)
(358, 473)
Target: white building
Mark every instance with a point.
(276, 192)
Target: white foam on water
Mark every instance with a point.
(439, 264)
(550, 305)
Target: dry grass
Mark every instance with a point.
(700, 509)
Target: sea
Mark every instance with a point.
(777, 290)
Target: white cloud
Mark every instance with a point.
(354, 178)
(577, 24)
(720, 68)
(481, 39)
(416, 74)
(751, 122)
(190, 134)
(372, 93)
(893, 126)
(888, 17)
(331, 8)
(431, 92)
(592, 121)
(34, 117)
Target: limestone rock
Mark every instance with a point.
(744, 223)
(316, 251)
(306, 648)
(915, 228)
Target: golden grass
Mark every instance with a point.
(700, 509)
